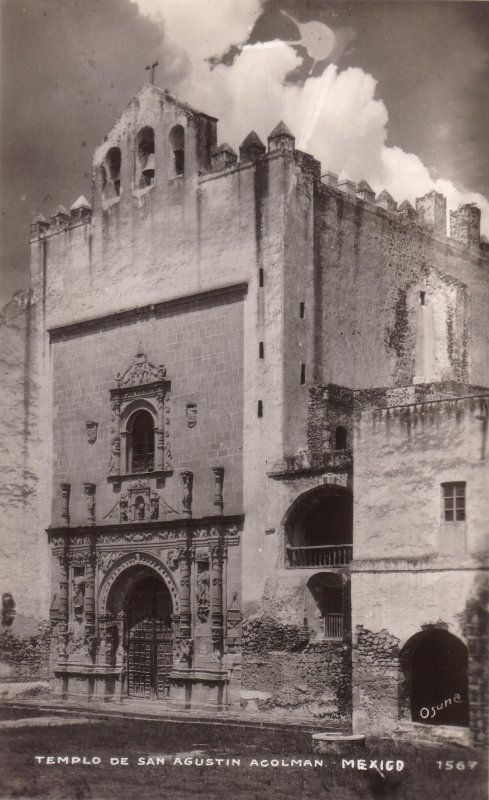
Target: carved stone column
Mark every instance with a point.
(115, 439)
(185, 609)
(63, 608)
(65, 503)
(160, 432)
(219, 480)
(90, 496)
(90, 631)
(187, 479)
(217, 616)
(109, 639)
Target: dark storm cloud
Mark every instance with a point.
(69, 68)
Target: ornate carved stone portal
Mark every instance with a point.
(102, 621)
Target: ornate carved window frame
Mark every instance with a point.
(141, 386)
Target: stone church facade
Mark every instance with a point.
(256, 437)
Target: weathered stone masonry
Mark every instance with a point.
(255, 422)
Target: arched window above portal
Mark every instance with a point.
(139, 421)
(177, 151)
(145, 158)
(141, 442)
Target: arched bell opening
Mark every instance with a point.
(176, 140)
(434, 679)
(145, 158)
(111, 176)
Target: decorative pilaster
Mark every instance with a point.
(63, 634)
(115, 439)
(121, 644)
(65, 503)
(160, 432)
(90, 497)
(217, 616)
(109, 639)
(167, 445)
(219, 480)
(91, 640)
(185, 609)
(187, 479)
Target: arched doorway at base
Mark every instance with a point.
(149, 639)
(435, 687)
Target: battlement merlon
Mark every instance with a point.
(159, 136)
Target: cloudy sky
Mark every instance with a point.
(395, 92)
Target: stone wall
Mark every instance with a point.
(24, 575)
(376, 680)
(414, 525)
(201, 346)
(373, 269)
(25, 658)
(476, 630)
(282, 671)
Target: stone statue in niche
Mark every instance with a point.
(76, 636)
(91, 644)
(91, 427)
(8, 609)
(123, 508)
(111, 639)
(140, 509)
(89, 489)
(183, 651)
(187, 479)
(202, 591)
(62, 648)
(78, 595)
(191, 414)
(154, 506)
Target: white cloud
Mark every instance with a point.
(336, 116)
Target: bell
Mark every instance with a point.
(149, 168)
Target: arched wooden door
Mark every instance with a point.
(149, 640)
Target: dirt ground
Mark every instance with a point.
(29, 737)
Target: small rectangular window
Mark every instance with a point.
(303, 374)
(261, 277)
(302, 309)
(261, 350)
(454, 501)
(260, 409)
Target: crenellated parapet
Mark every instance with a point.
(61, 220)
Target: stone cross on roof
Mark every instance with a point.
(151, 68)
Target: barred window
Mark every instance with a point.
(454, 501)
(332, 613)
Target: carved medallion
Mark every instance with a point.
(191, 414)
(91, 427)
